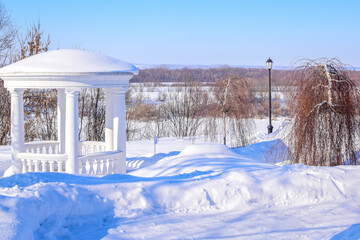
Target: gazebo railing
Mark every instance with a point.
(52, 147)
(42, 147)
(44, 156)
(100, 163)
(38, 162)
(91, 147)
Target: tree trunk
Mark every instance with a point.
(224, 127)
(328, 148)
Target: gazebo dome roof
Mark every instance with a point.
(68, 62)
(68, 69)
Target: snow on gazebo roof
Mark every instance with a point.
(68, 62)
(67, 68)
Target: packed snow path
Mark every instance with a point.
(206, 192)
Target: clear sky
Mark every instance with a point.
(199, 31)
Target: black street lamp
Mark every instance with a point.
(269, 63)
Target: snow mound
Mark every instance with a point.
(61, 206)
(207, 157)
(32, 208)
(206, 149)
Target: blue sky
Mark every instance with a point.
(199, 31)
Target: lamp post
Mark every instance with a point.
(269, 63)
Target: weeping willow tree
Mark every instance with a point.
(325, 115)
(233, 97)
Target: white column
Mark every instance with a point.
(61, 106)
(119, 129)
(17, 129)
(109, 102)
(72, 131)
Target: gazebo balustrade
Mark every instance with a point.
(44, 156)
(42, 147)
(100, 163)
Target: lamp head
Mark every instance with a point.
(269, 63)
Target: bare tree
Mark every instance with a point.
(33, 43)
(40, 114)
(132, 102)
(40, 104)
(221, 90)
(184, 108)
(7, 42)
(234, 98)
(145, 118)
(5, 120)
(326, 114)
(160, 117)
(92, 114)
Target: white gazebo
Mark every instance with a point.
(68, 71)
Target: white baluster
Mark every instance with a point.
(59, 163)
(43, 165)
(51, 150)
(104, 166)
(83, 165)
(98, 166)
(37, 169)
(91, 149)
(44, 150)
(31, 166)
(91, 163)
(51, 164)
(110, 169)
(38, 150)
(25, 167)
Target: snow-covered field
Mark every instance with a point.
(185, 191)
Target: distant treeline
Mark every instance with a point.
(254, 76)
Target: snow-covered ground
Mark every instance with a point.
(185, 191)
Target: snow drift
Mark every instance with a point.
(202, 179)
